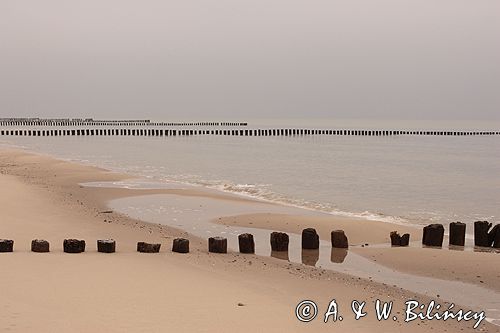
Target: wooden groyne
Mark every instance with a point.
(279, 241)
(145, 127)
(156, 131)
(77, 122)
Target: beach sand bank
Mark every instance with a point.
(465, 265)
(198, 292)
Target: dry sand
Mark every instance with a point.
(132, 292)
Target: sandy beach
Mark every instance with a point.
(43, 198)
(250, 166)
(458, 265)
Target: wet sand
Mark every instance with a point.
(127, 291)
(459, 264)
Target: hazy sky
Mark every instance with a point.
(256, 58)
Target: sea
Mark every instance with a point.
(396, 179)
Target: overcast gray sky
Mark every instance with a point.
(208, 59)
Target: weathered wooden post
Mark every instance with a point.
(310, 239)
(74, 246)
(40, 246)
(433, 235)
(246, 243)
(397, 240)
(180, 245)
(339, 239)
(481, 229)
(6, 245)
(405, 240)
(494, 236)
(106, 246)
(144, 247)
(457, 233)
(217, 245)
(279, 241)
(148, 247)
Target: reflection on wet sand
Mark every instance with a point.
(283, 255)
(486, 249)
(310, 257)
(456, 248)
(338, 255)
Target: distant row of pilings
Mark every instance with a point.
(228, 132)
(144, 127)
(92, 123)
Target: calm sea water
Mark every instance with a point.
(406, 179)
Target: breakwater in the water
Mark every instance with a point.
(91, 127)
(79, 122)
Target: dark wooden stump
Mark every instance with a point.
(433, 235)
(398, 240)
(148, 247)
(279, 241)
(106, 246)
(339, 239)
(40, 246)
(405, 240)
(395, 238)
(246, 243)
(6, 245)
(481, 229)
(457, 233)
(494, 236)
(180, 245)
(74, 246)
(217, 245)
(310, 239)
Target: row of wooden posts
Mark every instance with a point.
(92, 122)
(229, 132)
(279, 242)
(433, 235)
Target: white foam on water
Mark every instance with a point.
(373, 179)
(251, 191)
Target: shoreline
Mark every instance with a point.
(378, 231)
(365, 215)
(395, 220)
(62, 192)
